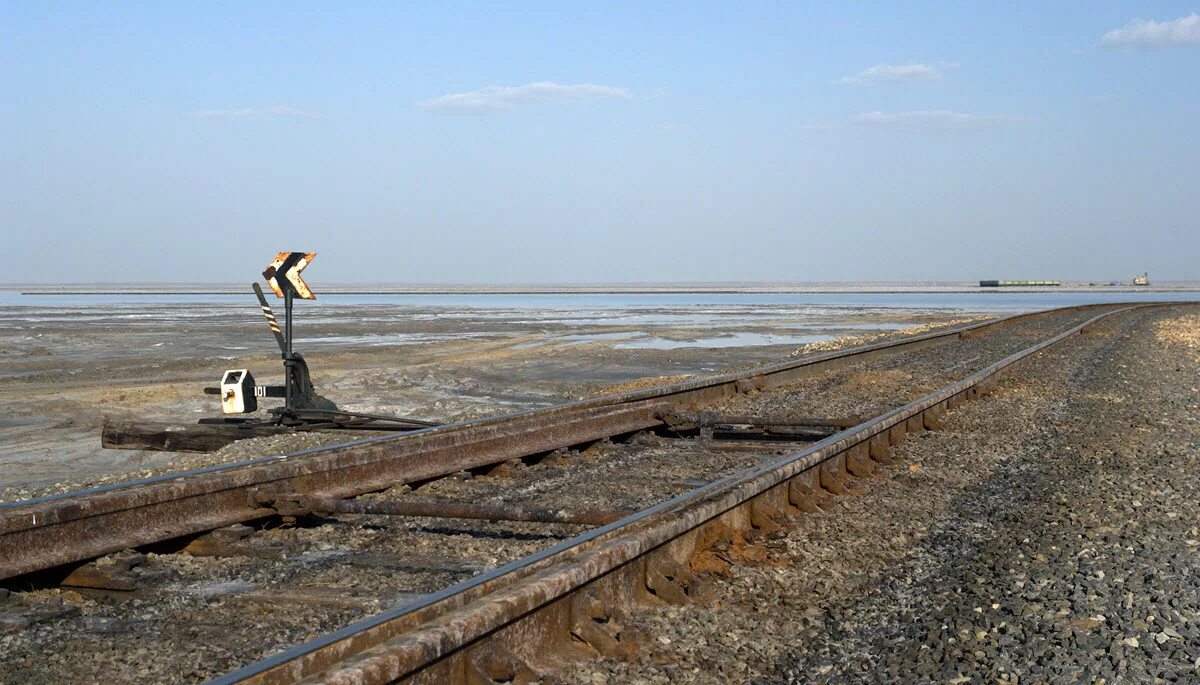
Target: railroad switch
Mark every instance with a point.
(303, 408)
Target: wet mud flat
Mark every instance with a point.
(64, 368)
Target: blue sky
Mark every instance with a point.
(543, 143)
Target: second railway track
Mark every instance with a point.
(698, 462)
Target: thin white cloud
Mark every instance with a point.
(272, 112)
(1154, 34)
(935, 119)
(501, 98)
(895, 73)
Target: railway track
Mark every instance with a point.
(682, 469)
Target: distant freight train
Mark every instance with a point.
(1008, 284)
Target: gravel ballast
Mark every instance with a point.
(204, 616)
(1048, 534)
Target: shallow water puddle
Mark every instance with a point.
(740, 339)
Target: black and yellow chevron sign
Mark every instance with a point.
(283, 274)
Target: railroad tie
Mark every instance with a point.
(300, 503)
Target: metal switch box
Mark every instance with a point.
(237, 392)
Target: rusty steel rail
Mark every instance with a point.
(61, 529)
(567, 599)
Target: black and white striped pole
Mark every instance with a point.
(272, 322)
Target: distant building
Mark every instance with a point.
(1016, 284)
(1144, 279)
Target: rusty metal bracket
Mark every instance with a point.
(669, 580)
(832, 476)
(859, 463)
(494, 664)
(233, 541)
(115, 573)
(765, 518)
(295, 504)
(748, 385)
(803, 496)
(879, 450)
(932, 417)
(594, 622)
